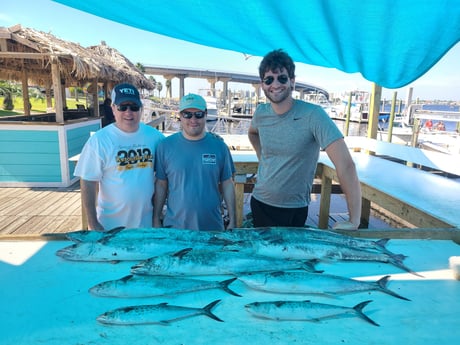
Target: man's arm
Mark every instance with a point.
(346, 171)
(89, 190)
(253, 135)
(228, 192)
(159, 199)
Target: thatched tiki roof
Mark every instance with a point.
(40, 58)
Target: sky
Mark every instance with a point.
(442, 82)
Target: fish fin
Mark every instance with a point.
(309, 266)
(182, 252)
(207, 310)
(115, 230)
(126, 278)
(359, 310)
(382, 242)
(382, 286)
(224, 286)
(110, 234)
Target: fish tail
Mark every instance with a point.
(396, 260)
(382, 286)
(207, 310)
(224, 286)
(359, 310)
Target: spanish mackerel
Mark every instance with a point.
(209, 262)
(300, 235)
(138, 234)
(125, 250)
(162, 313)
(305, 311)
(135, 286)
(317, 249)
(300, 282)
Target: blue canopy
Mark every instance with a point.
(390, 42)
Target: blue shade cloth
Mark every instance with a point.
(390, 42)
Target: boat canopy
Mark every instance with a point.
(391, 43)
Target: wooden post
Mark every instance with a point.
(58, 104)
(95, 95)
(239, 198)
(374, 111)
(325, 201)
(392, 117)
(25, 92)
(347, 120)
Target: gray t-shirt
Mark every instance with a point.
(290, 149)
(194, 169)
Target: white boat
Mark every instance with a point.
(433, 137)
(401, 133)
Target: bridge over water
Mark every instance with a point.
(215, 76)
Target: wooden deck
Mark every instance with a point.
(40, 210)
(36, 211)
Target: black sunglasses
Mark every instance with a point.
(283, 79)
(189, 114)
(124, 107)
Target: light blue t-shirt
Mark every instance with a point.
(290, 149)
(194, 169)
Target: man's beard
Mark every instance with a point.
(280, 97)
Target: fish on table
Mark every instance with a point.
(136, 234)
(286, 234)
(319, 250)
(162, 313)
(135, 286)
(302, 282)
(212, 262)
(301, 235)
(305, 311)
(126, 250)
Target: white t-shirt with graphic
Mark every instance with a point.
(123, 164)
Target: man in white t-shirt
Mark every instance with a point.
(116, 167)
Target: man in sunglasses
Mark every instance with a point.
(194, 170)
(287, 135)
(116, 167)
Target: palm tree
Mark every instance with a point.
(8, 90)
(154, 82)
(159, 88)
(140, 67)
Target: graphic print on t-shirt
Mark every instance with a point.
(208, 158)
(131, 158)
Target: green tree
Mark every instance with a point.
(8, 90)
(154, 82)
(159, 88)
(140, 67)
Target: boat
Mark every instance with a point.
(359, 107)
(401, 133)
(437, 128)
